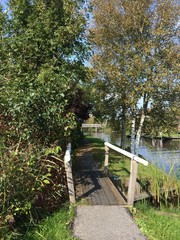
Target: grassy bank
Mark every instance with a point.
(157, 224)
(158, 218)
(55, 227)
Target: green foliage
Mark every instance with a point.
(3, 29)
(45, 65)
(42, 104)
(55, 226)
(164, 115)
(31, 184)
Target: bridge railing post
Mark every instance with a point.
(69, 175)
(132, 182)
(106, 160)
(133, 171)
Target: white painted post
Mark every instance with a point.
(106, 161)
(69, 176)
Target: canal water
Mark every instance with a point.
(163, 154)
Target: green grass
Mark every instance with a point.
(156, 224)
(53, 227)
(97, 148)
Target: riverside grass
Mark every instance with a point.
(54, 227)
(158, 219)
(157, 224)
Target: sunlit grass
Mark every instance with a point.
(54, 227)
(156, 224)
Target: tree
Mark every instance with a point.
(42, 104)
(135, 58)
(163, 115)
(44, 69)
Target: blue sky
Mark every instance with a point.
(3, 2)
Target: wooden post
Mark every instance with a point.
(132, 182)
(106, 161)
(68, 168)
(134, 168)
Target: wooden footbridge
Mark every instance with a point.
(94, 185)
(92, 126)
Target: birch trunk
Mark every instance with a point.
(138, 135)
(133, 125)
(134, 165)
(143, 115)
(123, 130)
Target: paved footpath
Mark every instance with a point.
(105, 223)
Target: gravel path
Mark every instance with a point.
(105, 223)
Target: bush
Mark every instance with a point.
(32, 183)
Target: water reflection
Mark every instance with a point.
(163, 154)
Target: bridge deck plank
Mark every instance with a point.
(97, 189)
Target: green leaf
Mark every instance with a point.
(46, 181)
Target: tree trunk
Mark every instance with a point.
(123, 129)
(143, 115)
(133, 125)
(135, 139)
(134, 164)
(138, 135)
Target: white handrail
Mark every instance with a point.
(128, 154)
(89, 125)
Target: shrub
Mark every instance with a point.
(32, 183)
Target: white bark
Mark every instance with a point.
(138, 135)
(133, 125)
(123, 128)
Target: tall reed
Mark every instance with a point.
(165, 186)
